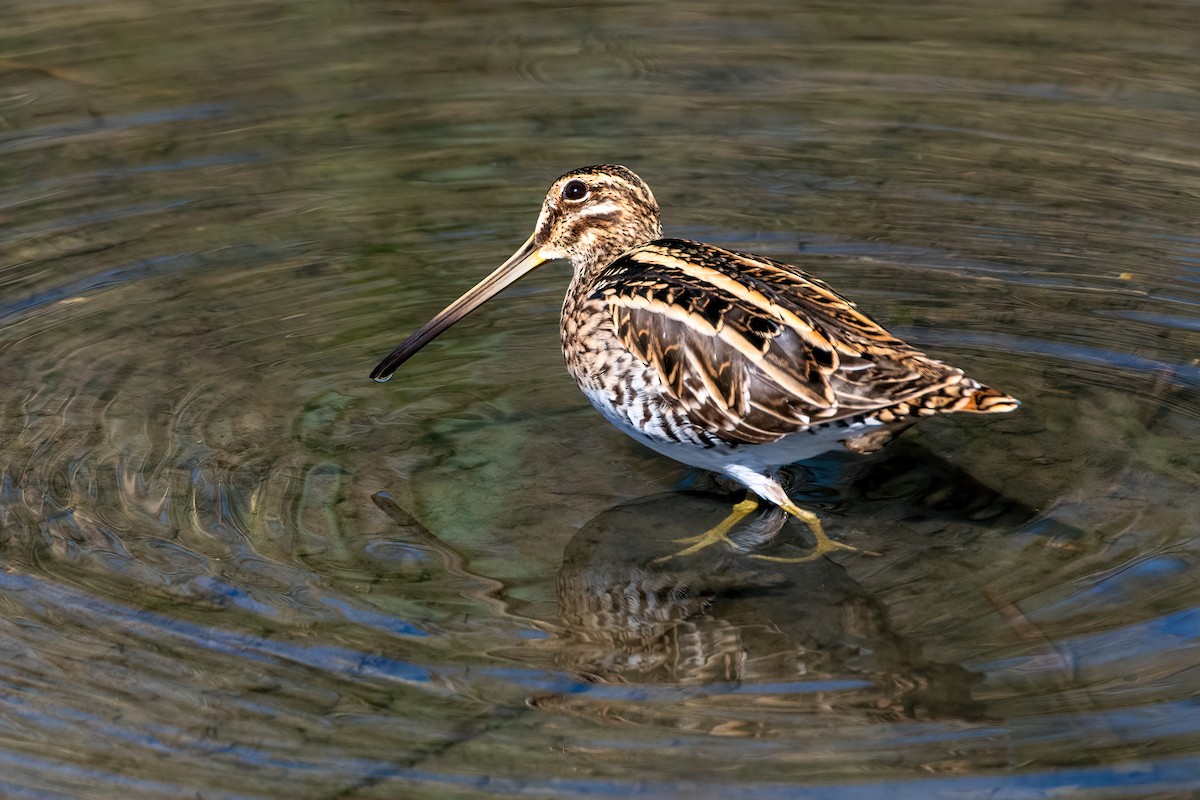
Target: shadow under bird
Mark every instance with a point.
(722, 360)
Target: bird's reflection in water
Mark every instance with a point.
(809, 637)
(817, 637)
(731, 620)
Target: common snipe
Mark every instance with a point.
(722, 360)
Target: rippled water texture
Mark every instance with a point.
(233, 567)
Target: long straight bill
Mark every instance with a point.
(519, 264)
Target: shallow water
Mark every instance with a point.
(231, 566)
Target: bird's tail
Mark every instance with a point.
(976, 398)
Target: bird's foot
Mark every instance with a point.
(824, 544)
(719, 533)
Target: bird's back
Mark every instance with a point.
(755, 349)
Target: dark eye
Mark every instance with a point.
(575, 190)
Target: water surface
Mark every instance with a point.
(233, 567)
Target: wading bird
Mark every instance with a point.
(721, 360)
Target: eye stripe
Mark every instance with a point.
(600, 209)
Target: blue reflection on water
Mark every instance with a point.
(51, 599)
(1183, 374)
(1114, 781)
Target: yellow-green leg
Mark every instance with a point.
(824, 543)
(718, 533)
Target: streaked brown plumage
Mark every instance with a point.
(719, 359)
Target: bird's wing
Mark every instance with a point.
(755, 349)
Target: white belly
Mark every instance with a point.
(762, 458)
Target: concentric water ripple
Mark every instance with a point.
(231, 566)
